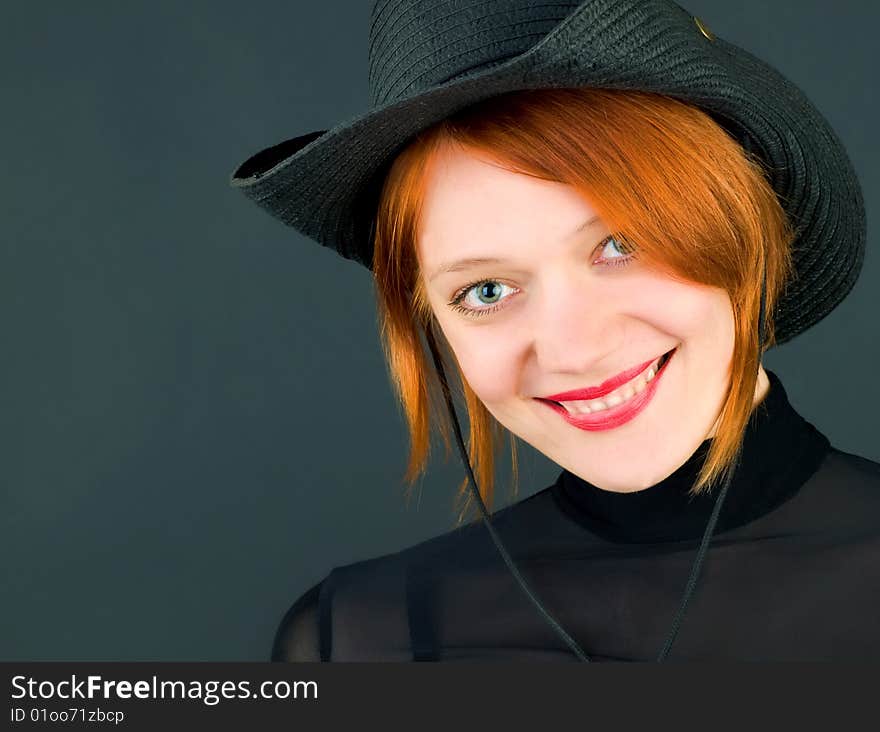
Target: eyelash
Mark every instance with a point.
(456, 305)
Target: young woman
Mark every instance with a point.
(598, 226)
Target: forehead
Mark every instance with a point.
(473, 206)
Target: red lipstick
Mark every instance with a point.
(606, 419)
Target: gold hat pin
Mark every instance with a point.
(703, 29)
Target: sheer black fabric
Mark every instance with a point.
(793, 570)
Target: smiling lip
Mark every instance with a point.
(612, 417)
(606, 387)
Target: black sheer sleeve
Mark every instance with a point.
(297, 637)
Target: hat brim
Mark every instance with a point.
(326, 184)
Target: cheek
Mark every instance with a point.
(487, 360)
(694, 314)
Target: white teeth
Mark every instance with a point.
(618, 396)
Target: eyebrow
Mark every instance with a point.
(461, 264)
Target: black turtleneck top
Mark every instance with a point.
(792, 572)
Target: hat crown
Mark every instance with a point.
(419, 44)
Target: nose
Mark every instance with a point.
(574, 328)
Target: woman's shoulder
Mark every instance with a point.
(852, 477)
(363, 609)
(841, 499)
(297, 637)
(859, 466)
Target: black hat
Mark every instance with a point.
(428, 59)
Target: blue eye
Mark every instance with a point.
(486, 290)
(490, 290)
(612, 244)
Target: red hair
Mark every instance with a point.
(662, 174)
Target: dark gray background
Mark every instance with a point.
(196, 419)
